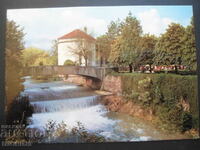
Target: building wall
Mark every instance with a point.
(64, 51)
(66, 48)
(93, 57)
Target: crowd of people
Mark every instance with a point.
(146, 68)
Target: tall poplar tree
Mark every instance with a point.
(103, 46)
(13, 68)
(127, 43)
(131, 34)
(104, 42)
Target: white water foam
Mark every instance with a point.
(86, 110)
(70, 111)
(63, 87)
(91, 117)
(142, 138)
(64, 104)
(54, 89)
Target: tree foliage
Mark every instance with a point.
(131, 32)
(116, 51)
(148, 42)
(19, 111)
(147, 47)
(169, 49)
(83, 49)
(128, 47)
(189, 48)
(104, 42)
(69, 62)
(35, 57)
(14, 45)
(54, 52)
(127, 43)
(177, 47)
(114, 30)
(103, 47)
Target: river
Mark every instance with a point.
(69, 103)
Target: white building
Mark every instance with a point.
(77, 46)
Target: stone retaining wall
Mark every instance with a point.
(112, 84)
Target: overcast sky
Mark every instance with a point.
(42, 26)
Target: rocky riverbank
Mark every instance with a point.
(120, 104)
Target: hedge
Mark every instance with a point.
(173, 98)
(69, 62)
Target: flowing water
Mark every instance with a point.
(69, 103)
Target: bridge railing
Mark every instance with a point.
(92, 71)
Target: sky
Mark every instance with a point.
(42, 26)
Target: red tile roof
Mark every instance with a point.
(77, 34)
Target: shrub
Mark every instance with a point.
(187, 121)
(85, 136)
(69, 62)
(58, 132)
(19, 110)
(163, 93)
(41, 63)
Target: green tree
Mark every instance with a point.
(54, 53)
(169, 49)
(69, 62)
(147, 47)
(115, 54)
(114, 30)
(189, 48)
(104, 42)
(103, 47)
(128, 42)
(35, 57)
(13, 68)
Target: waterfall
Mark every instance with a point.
(59, 102)
(64, 104)
(86, 110)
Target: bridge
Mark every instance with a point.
(90, 71)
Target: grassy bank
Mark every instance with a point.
(173, 98)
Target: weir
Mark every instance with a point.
(64, 104)
(57, 101)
